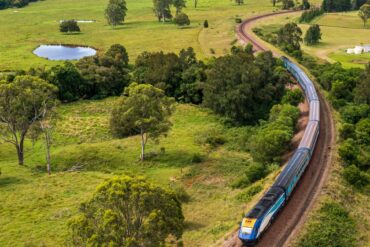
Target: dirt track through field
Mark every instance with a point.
(291, 218)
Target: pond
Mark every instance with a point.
(63, 52)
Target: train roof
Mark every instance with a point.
(289, 171)
(266, 202)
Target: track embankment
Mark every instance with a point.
(291, 218)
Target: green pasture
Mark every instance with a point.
(35, 207)
(339, 32)
(22, 30)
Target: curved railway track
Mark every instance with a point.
(293, 215)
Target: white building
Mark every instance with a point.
(359, 49)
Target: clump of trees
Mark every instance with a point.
(310, 14)
(69, 26)
(14, 3)
(115, 12)
(180, 76)
(293, 97)
(143, 110)
(128, 211)
(242, 87)
(162, 10)
(313, 35)
(287, 4)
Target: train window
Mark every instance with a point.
(255, 213)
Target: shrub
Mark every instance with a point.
(348, 151)
(333, 227)
(213, 137)
(356, 177)
(238, 20)
(354, 113)
(69, 26)
(253, 173)
(247, 194)
(293, 97)
(196, 158)
(181, 194)
(363, 131)
(347, 131)
(182, 19)
(205, 24)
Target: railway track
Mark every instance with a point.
(291, 218)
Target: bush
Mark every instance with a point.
(238, 20)
(196, 158)
(333, 227)
(293, 97)
(181, 194)
(181, 19)
(247, 194)
(205, 24)
(213, 137)
(354, 113)
(348, 151)
(253, 173)
(347, 131)
(69, 26)
(363, 131)
(354, 176)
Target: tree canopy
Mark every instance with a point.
(142, 109)
(69, 26)
(115, 12)
(243, 88)
(364, 13)
(313, 35)
(182, 19)
(289, 37)
(128, 211)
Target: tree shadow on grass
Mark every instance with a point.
(193, 226)
(6, 181)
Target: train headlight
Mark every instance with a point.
(246, 230)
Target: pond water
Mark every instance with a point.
(62, 52)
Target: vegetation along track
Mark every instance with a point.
(293, 215)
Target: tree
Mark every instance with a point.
(143, 109)
(289, 37)
(128, 211)
(162, 9)
(195, 3)
(119, 55)
(363, 131)
(362, 89)
(69, 26)
(115, 12)
(182, 19)
(22, 103)
(239, 2)
(205, 24)
(313, 35)
(364, 13)
(179, 5)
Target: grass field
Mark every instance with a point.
(339, 32)
(24, 29)
(35, 208)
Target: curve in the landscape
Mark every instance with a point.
(293, 214)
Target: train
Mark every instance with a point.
(260, 217)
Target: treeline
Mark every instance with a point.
(310, 14)
(14, 3)
(342, 5)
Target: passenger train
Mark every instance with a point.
(257, 220)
